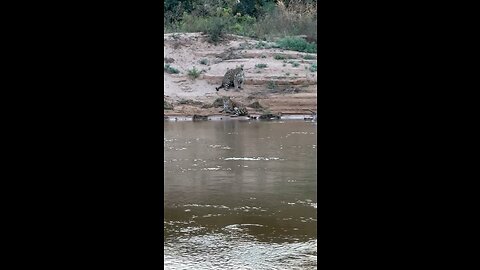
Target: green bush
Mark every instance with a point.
(171, 70)
(261, 65)
(297, 44)
(261, 19)
(216, 29)
(193, 73)
(242, 25)
(313, 67)
(271, 85)
(261, 45)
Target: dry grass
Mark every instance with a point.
(298, 19)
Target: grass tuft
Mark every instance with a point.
(193, 73)
(261, 65)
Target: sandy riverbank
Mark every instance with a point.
(286, 86)
(295, 117)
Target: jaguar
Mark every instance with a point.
(233, 77)
(232, 107)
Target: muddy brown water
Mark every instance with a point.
(240, 195)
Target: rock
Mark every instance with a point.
(255, 105)
(314, 116)
(230, 54)
(218, 102)
(270, 116)
(207, 106)
(288, 90)
(167, 106)
(189, 102)
(197, 117)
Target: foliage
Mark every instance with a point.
(169, 69)
(297, 44)
(193, 73)
(216, 29)
(271, 85)
(262, 19)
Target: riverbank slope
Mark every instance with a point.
(276, 80)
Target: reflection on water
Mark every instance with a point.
(240, 195)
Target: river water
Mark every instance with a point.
(240, 195)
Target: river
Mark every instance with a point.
(240, 195)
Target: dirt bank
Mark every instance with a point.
(288, 83)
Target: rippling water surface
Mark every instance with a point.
(240, 195)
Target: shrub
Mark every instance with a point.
(297, 44)
(271, 85)
(171, 70)
(313, 67)
(279, 57)
(204, 62)
(309, 57)
(265, 45)
(193, 73)
(263, 19)
(297, 18)
(216, 29)
(243, 25)
(260, 45)
(261, 65)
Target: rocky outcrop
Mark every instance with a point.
(270, 116)
(167, 105)
(197, 117)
